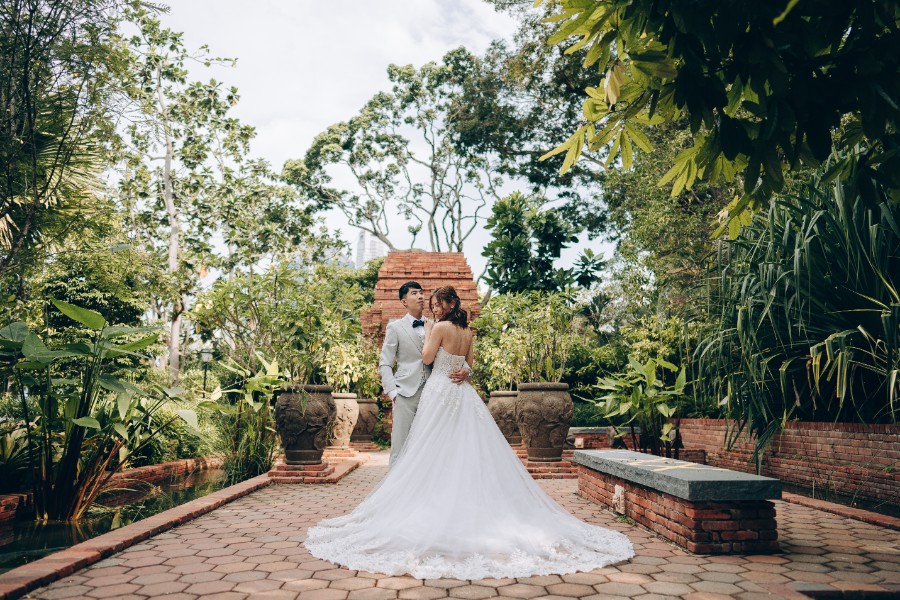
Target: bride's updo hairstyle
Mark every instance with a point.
(456, 315)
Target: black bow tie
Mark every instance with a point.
(418, 323)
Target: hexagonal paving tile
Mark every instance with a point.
(252, 548)
(473, 592)
(399, 583)
(423, 593)
(522, 590)
(570, 590)
(372, 594)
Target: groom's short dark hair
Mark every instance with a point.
(409, 285)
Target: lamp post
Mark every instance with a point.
(205, 357)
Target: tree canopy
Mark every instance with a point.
(526, 241)
(763, 86)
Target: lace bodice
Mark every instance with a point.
(445, 363)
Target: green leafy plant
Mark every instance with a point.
(344, 354)
(294, 316)
(368, 382)
(243, 414)
(640, 397)
(526, 241)
(87, 426)
(14, 456)
(524, 337)
(808, 300)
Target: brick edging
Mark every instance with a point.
(21, 580)
(866, 516)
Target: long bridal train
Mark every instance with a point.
(458, 503)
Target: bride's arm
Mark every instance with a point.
(470, 355)
(432, 342)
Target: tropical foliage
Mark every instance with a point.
(301, 315)
(138, 229)
(88, 420)
(524, 338)
(764, 87)
(526, 241)
(641, 398)
(243, 414)
(809, 313)
(56, 65)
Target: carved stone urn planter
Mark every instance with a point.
(365, 424)
(304, 416)
(345, 421)
(503, 408)
(543, 413)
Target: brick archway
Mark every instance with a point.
(432, 270)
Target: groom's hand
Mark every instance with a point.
(459, 375)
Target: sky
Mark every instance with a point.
(304, 65)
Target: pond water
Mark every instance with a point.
(23, 541)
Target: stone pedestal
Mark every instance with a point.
(324, 472)
(560, 469)
(365, 446)
(337, 454)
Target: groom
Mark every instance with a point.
(403, 342)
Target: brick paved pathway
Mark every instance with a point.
(252, 548)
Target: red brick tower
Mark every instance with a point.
(432, 270)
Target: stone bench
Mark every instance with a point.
(704, 509)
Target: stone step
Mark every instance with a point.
(331, 474)
(322, 466)
(365, 445)
(340, 453)
(304, 474)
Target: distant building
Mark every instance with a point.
(341, 260)
(368, 247)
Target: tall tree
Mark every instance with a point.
(514, 100)
(262, 220)
(400, 156)
(55, 63)
(181, 143)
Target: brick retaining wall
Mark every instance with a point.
(847, 458)
(600, 441)
(10, 504)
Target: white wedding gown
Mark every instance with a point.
(458, 503)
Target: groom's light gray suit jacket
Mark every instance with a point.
(403, 347)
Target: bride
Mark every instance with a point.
(457, 502)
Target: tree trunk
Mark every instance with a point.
(174, 238)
